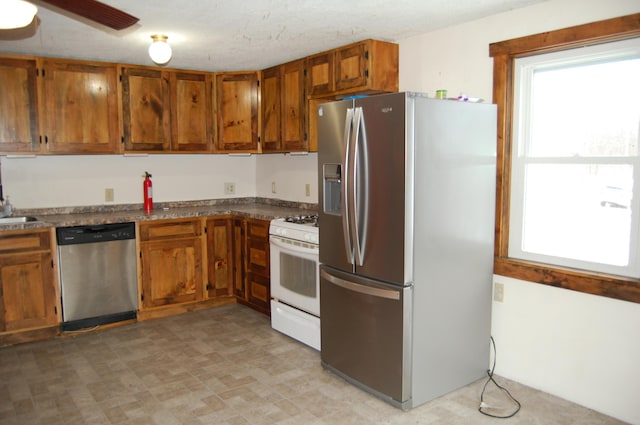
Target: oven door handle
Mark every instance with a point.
(293, 246)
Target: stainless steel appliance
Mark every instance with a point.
(407, 192)
(295, 288)
(98, 277)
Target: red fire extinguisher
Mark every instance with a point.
(148, 192)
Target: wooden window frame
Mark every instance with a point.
(504, 54)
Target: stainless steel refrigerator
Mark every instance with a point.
(407, 200)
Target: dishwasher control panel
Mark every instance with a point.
(96, 233)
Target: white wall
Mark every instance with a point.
(291, 174)
(63, 181)
(60, 181)
(580, 347)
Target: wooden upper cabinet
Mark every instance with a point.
(293, 106)
(146, 109)
(369, 66)
(19, 105)
(271, 109)
(283, 108)
(191, 116)
(237, 115)
(320, 79)
(81, 104)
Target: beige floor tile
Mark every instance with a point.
(220, 366)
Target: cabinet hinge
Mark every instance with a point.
(304, 72)
(142, 297)
(366, 73)
(366, 54)
(51, 263)
(258, 82)
(205, 229)
(208, 286)
(140, 254)
(259, 140)
(55, 309)
(305, 135)
(122, 138)
(120, 76)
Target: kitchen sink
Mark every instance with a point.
(17, 220)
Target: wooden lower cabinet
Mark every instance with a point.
(220, 265)
(29, 306)
(257, 292)
(171, 262)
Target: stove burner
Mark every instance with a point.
(303, 219)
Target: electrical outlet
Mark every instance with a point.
(307, 189)
(229, 188)
(498, 292)
(108, 195)
(273, 187)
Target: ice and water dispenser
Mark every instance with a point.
(332, 188)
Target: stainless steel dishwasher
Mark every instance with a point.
(98, 277)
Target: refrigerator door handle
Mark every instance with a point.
(360, 181)
(367, 290)
(346, 182)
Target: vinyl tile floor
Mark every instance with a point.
(223, 366)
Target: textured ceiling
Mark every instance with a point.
(219, 35)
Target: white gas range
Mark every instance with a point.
(295, 282)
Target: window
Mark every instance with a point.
(575, 158)
(568, 198)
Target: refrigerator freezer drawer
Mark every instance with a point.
(365, 333)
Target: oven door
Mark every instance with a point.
(295, 274)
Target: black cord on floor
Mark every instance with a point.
(483, 405)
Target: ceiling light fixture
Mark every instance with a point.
(160, 51)
(16, 14)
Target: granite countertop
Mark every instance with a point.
(259, 208)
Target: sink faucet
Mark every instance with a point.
(7, 208)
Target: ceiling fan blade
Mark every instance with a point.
(96, 11)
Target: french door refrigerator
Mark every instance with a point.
(407, 200)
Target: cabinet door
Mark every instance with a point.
(271, 107)
(146, 109)
(320, 74)
(191, 112)
(171, 272)
(220, 257)
(27, 282)
(28, 294)
(237, 112)
(81, 107)
(351, 67)
(19, 129)
(293, 107)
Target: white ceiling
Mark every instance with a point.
(219, 35)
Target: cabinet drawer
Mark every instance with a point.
(11, 242)
(258, 229)
(258, 257)
(171, 229)
(259, 294)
